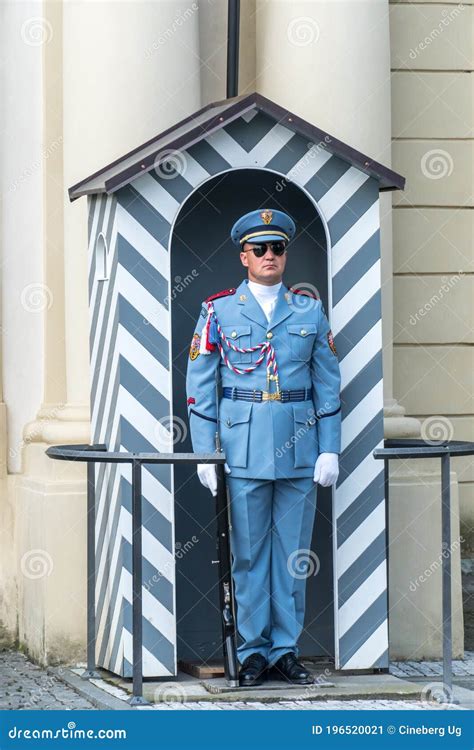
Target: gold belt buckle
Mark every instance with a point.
(276, 396)
(266, 396)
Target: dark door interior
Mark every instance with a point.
(204, 261)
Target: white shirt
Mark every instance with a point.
(266, 296)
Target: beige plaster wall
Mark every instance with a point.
(433, 226)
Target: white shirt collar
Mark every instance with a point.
(263, 290)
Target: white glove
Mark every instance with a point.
(326, 469)
(208, 477)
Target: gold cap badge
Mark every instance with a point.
(266, 216)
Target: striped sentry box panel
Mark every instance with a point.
(132, 406)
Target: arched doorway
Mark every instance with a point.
(204, 261)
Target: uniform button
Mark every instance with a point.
(228, 422)
(233, 334)
(269, 335)
(303, 332)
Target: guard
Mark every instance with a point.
(279, 422)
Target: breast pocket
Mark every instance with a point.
(305, 437)
(301, 338)
(238, 335)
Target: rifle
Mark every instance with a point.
(226, 590)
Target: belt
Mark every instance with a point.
(244, 394)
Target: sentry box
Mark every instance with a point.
(159, 223)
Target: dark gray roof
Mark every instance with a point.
(210, 118)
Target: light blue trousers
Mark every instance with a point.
(272, 526)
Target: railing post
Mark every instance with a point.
(90, 671)
(446, 573)
(137, 622)
(413, 449)
(386, 481)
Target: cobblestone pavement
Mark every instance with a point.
(23, 685)
(359, 705)
(407, 669)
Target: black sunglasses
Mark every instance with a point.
(260, 248)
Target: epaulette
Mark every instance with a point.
(223, 293)
(303, 291)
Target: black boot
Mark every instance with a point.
(290, 669)
(253, 670)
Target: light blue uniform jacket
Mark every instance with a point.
(268, 439)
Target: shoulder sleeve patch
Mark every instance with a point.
(194, 347)
(331, 342)
(223, 293)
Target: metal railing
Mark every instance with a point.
(92, 454)
(413, 448)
